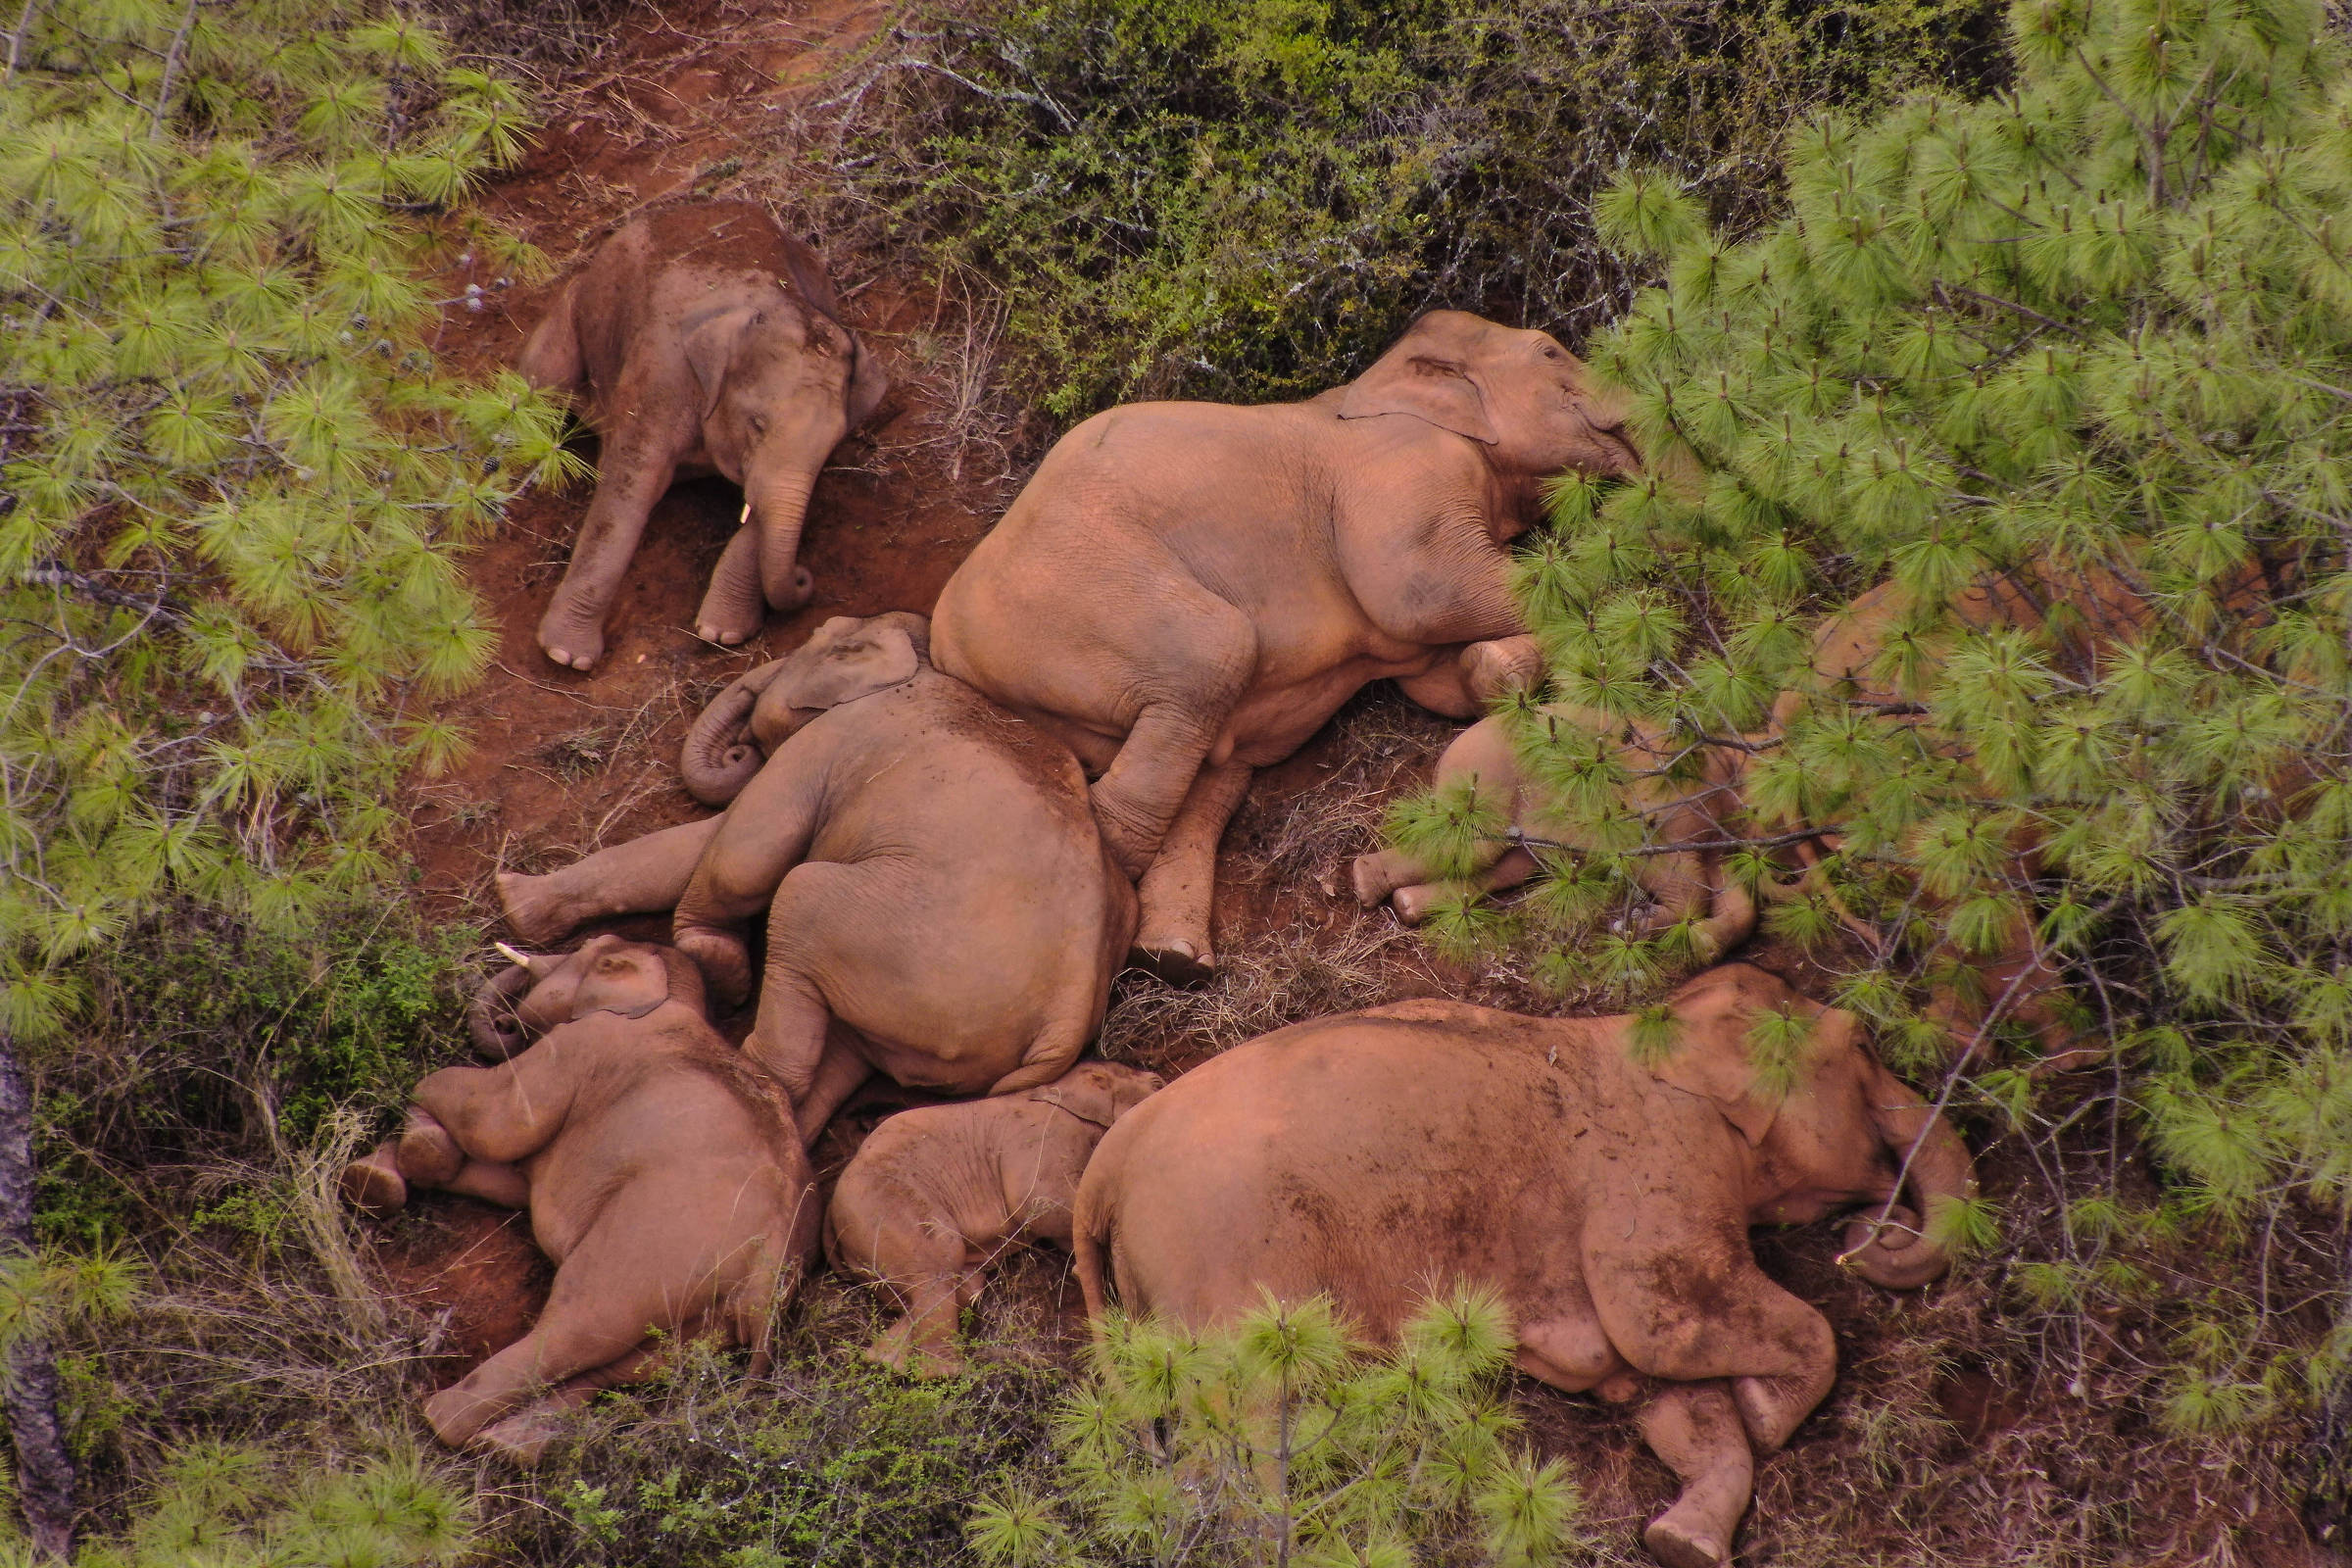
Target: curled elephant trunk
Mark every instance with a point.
(720, 757)
(492, 1020)
(776, 502)
(1898, 1251)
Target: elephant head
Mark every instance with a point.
(781, 380)
(1519, 394)
(1099, 1092)
(608, 974)
(1831, 1128)
(842, 660)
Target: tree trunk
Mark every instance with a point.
(45, 1467)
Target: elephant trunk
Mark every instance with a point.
(1891, 1245)
(719, 758)
(492, 1018)
(776, 500)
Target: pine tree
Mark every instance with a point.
(1281, 1442)
(235, 489)
(2061, 382)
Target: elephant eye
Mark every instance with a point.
(759, 425)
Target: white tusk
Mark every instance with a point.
(515, 954)
(745, 520)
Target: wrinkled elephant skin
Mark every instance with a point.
(936, 1194)
(1187, 591)
(1381, 1155)
(661, 1174)
(702, 339)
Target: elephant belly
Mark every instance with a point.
(1275, 718)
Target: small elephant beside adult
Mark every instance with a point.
(704, 340)
(659, 1167)
(1379, 1156)
(937, 1194)
(939, 903)
(1185, 592)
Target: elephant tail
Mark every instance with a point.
(1091, 1225)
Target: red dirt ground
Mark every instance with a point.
(566, 763)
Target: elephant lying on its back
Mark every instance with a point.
(939, 903)
(1379, 1156)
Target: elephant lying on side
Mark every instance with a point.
(940, 905)
(660, 1168)
(1380, 1155)
(1187, 591)
(936, 1194)
(708, 341)
(1688, 884)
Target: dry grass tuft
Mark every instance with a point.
(1276, 978)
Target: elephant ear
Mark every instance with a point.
(710, 344)
(1436, 373)
(856, 663)
(867, 382)
(631, 981)
(1082, 1095)
(1711, 1055)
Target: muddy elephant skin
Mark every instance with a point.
(1187, 591)
(662, 1173)
(702, 339)
(1379, 1156)
(940, 905)
(936, 1194)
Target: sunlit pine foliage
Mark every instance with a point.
(1282, 1440)
(2071, 368)
(235, 487)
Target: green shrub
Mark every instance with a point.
(1280, 1441)
(2090, 343)
(1246, 198)
(238, 491)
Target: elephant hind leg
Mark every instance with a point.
(372, 1184)
(840, 1068)
(1172, 929)
(646, 875)
(1414, 904)
(1694, 1429)
(521, 1439)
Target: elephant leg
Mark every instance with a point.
(637, 473)
(373, 1184)
(789, 1033)
(1375, 876)
(583, 1329)
(521, 1439)
(921, 1264)
(743, 868)
(1509, 869)
(1461, 686)
(734, 605)
(1694, 1429)
(839, 1071)
(643, 876)
(493, 1181)
(1778, 1352)
(1172, 933)
(1148, 782)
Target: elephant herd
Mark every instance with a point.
(959, 828)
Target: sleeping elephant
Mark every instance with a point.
(939, 903)
(1185, 592)
(1692, 803)
(707, 341)
(659, 1167)
(1379, 1156)
(936, 1194)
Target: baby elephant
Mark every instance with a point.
(659, 1165)
(1688, 884)
(939, 903)
(937, 1194)
(708, 341)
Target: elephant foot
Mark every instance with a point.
(1175, 961)
(731, 616)
(894, 1350)
(373, 1185)
(723, 957)
(428, 1156)
(1509, 663)
(527, 908)
(1680, 1542)
(1371, 881)
(1414, 903)
(521, 1439)
(571, 639)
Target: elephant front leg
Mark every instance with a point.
(643, 876)
(1462, 687)
(637, 473)
(1694, 1429)
(734, 605)
(1172, 938)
